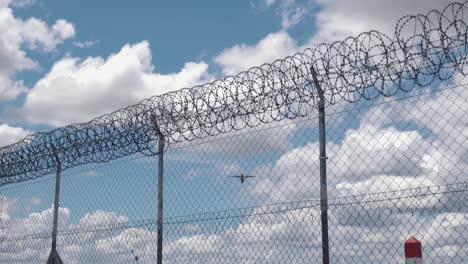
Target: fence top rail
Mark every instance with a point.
(424, 49)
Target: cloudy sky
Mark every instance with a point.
(63, 62)
(66, 62)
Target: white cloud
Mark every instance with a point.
(242, 56)
(293, 12)
(371, 151)
(269, 2)
(62, 30)
(363, 154)
(35, 223)
(289, 180)
(21, 3)
(444, 156)
(37, 35)
(139, 240)
(100, 218)
(30, 234)
(85, 44)
(196, 244)
(17, 33)
(10, 134)
(360, 232)
(5, 205)
(339, 19)
(10, 89)
(77, 90)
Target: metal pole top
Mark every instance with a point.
(318, 87)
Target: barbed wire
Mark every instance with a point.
(424, 49)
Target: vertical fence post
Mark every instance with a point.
(413, 251)
(54, 257)
(323, 170)
(160, 137)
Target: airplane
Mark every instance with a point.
(242, 177)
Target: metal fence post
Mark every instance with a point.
(161, 143)
(323, 170)
(54, 257)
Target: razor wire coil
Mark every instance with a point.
(424, 49)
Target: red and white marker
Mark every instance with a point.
(413, 251)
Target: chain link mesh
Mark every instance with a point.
(396, 167)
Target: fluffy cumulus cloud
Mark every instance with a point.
(77, 90)
(338, 19)
(288, 236)
(243, 56)
(27, 238)
(413, 143)
(101, 236)
(100, 218)
(19, 35)
(35, 225)
(10, 134)
(369, 159)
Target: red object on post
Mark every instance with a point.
(413, 251)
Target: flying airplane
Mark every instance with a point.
(242, 177)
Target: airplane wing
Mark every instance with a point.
(249, 176)
(234, 176)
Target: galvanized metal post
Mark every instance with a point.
(54, 257)
(323, 170)
(160, 136)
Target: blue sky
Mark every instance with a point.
(70, 61)
(176, 33)
(173, 44)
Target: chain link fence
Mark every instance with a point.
(397, 166)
